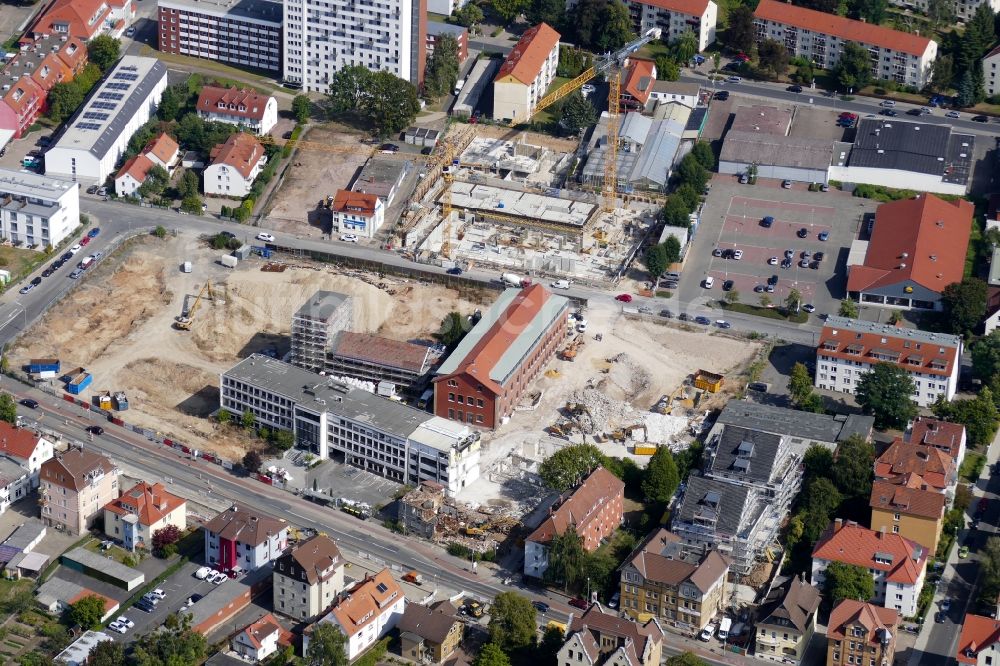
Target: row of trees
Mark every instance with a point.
(388, 103)
(595, 25)
(691, 176)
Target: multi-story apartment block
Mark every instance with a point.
(674, 18)
(593, 509)
(235, 166)
(786, 621)
(963, 9)
(308, 578)
(743, 497)
(599, 638)
(328, 417)
(526, 74)
(320, 38)
(244, 33)
(75, 486)
(315, 325)
(241, 107)
(820, 37)
(366, 612)
(140, 512)
(436, 30)
(481, 382)
(979, 643)
(657, 582)
(898, 565)
(240, 537)
(802, 429)
(909, 509)
(25, 447)
(848, 348)
(37, 211)
(860, 633)
(990, 62)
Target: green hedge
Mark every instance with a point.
(286, 151)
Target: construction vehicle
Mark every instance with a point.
(628, 432)
(569, 353)
(413, 577)
(473, 608)
(185, 320)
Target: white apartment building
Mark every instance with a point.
(358, 213)
(675, 17)
(235, 165)
(26, 448)
(241, 537)
(93, 141)
(366, 612)
(526, 74)
(964, 9)
(848, 348)
(15, 482)
(37, 211)
(990, 63)
(322, 37)
(820, 37)
(331, 419)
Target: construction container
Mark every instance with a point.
(186, 267)
(38, 365)
(121, 402)
(104, 400)
(708, 381)
(79, 384)
(229, 261)
(69, 375)
(645, 449)
(242, 252)
(262, 251)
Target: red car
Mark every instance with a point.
(743, 57)
(579, 603)
(624, 298)
(84, 240)
(848, 114)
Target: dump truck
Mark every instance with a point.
(413, 577)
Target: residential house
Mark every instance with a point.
(132, 175)
(861, 633)
(357, 213)
(665, 92)
(430, 633)
(657, 582)
(786, 621)
(366, 612)
(593, 509)
(898, 565)
(15, 482)
(245, 108)
(163, 151)
(235, 165)
(637, 86)
(240, 537)
(140, 512)
(926, 465)
(526, 74)
(74, 487)
(599, 637)
(942, 435)
(260, 639)
(25, 447)
(308, 578)
(979, 642)
(84, 19)
(909, 508)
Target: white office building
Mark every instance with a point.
(93, 141)
(37, 211)
(321, 37)
(331, 419)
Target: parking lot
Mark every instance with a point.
(732, 219)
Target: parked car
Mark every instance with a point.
(266, 237)
(824, 235)
(744, 179)
(773, 280)
(773, 261)
(202, 573)
(26, 288)
(130, 32)
(624, 298)
(802, 233)
(588, 90)
(349, 238)
(75, 275)
(809, 307)
(722, 95)
(818, 256)
(709, 282)
(759, 289)
(540, 606)
(684, 316)
(737, 254)
(727, 285)
(717, 252)
(707, 633)
(30, 403)
(122, 620)
(116, 627)
(85, 241)
(92, 189)
(963, 552)
(579, 602)
(388, 148)
(767, 222)
(787, 184)
(36, 280)
(73, 250)
(704, 321)
(48, 272)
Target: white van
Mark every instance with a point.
(709, 282)
(707, 633)
(560, 284)
(724, 628)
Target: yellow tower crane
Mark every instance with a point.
(610, 65)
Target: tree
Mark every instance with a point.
(821, 500)
(252, 461)
(572, 60)
(569, 465)
(672, 249)
(469, 15)
(662, 478)
(966, 96)
(615, 26)
(441, 73)
(552, 641)
(577, 113)
(391, 103)
(702, 152)
(348, 87)
(552, 12)
(732, 296)
(512, 621)
(87, 612)
(566, 559)
(800, 384)
(491, 655)
(156, 181)
(192, 204)
(165, 540)
(667, 68)
(103, 51)
(741, 35)
(453, 329)
(941, 12)
(847, 581)
(656, 261)
(107, 653)
(848, 308)
(676, 213)
(853, 467)
(8, 408)
(942, 72)
(685, 46)
(327, 646)
(872, 11)
(853, 70)
(63, 99)
(223, 416)
(691, 171)
(283, 440)
(964, 305)
(886, 391)
(173, 646)
(979, 415)
(793, 300)
(508, 10)
(985, 359)
(188, 185)
(302, 106)
(686, 659)
(765, 300)
(170, 104)
(247, 420)
(773, 56)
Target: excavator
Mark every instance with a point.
(569, 353)
(184, 321)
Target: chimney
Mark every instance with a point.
(838, 524)
(881, 532)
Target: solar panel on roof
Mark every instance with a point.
(88, 126)
(110, 95)
(123, 76)
(7, 553)
(94, 115)
(382, 587)
(105, 105)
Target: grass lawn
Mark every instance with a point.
(215, 70)
(119, 554)
(8, 588)
(652, 50)
(972, 466)
(18, 260)
(770, 313)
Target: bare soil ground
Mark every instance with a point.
(315, 174)
(120, 326)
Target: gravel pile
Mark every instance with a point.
(629, 375)
(663, 428)
(605, 414)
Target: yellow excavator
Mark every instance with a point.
(184, 321)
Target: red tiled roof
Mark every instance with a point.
(838, 26)
(853, 544)
(640, 79)
(978, 633)
(850, 612)
(138, 167)
(921, 240)
(898, 496)
(582, 506)
(17, 442)
(257, 632)
(372, 348)
(77, 14)
(690, 7)
(244, 103)
(934, 468)
(363, 603)
(525, 61)
(358, 203)
(939, 434)
(50, 71)
(910, 355)
(241, 151)
(163, 147)
(151, 503)
(23, 94)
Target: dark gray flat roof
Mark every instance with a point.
(911, 146)
(322, 305)
(732, 502)
(753, 464)
(794, 423)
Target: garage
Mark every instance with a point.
(781, 157)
